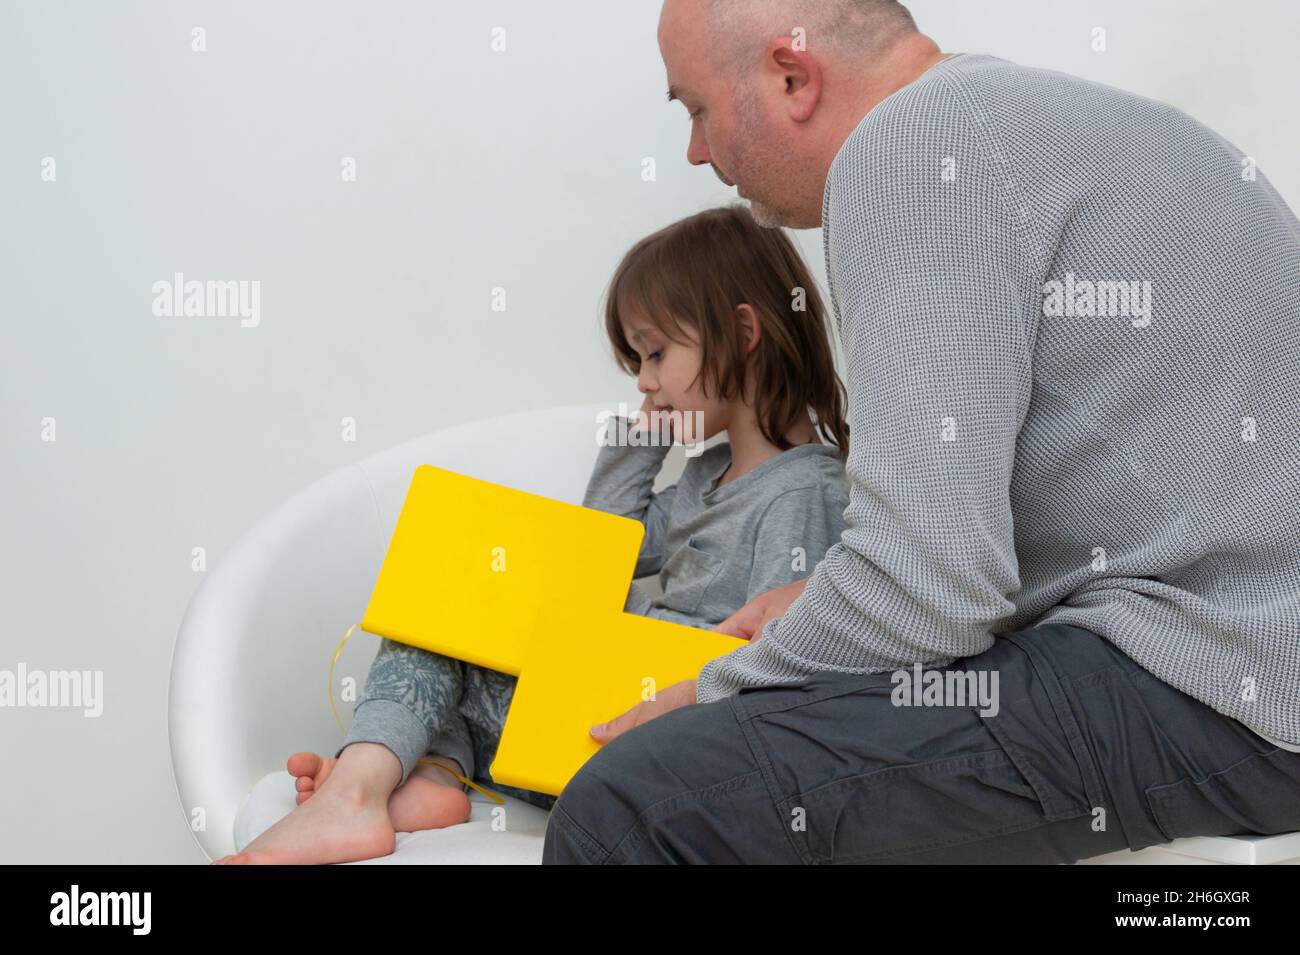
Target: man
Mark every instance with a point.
(1071, 319)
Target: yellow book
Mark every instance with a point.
(473, 568)
(584, 670)
(533, 587)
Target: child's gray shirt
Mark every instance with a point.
(715, 548)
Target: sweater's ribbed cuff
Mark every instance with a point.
(389, 724)
(750, 665)
(454, 743)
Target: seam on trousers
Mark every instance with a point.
(983, 837)
(1053, 684)
(1108, 804)
(633, 839)
(947, 844)
(744, 711)
(769, 779)
(1042, 788)
(595, 851)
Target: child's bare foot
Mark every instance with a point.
(332, 827)
(310, 771)
(346, 819)
(431, 797)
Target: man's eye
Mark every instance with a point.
(691, 116)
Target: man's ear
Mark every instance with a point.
(799, 75)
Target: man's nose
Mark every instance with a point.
(697, 150)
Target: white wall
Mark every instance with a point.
(475, 169)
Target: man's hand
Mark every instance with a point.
(748, 622)
(677, 695)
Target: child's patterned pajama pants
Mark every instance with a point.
(417, 703)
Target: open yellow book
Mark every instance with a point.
(534, 587)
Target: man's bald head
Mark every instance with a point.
(774, 87)
(852, 30)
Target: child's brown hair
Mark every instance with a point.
(697, 271)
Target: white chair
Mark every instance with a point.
(249, 669)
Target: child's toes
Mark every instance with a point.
(303, 764)
(304, 784)
(326, 767)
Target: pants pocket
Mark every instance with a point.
(1258, 795)
(922, 806)
(686, 576)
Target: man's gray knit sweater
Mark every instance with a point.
(1071, 321)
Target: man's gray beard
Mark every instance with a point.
(765, 216)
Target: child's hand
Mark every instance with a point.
(748, 622)
(648, 421)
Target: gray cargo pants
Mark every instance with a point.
(1088, 753)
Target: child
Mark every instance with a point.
(721, 323)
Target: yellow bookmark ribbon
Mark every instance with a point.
(423, 759)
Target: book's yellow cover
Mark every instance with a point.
(474, 568)
(587, 669)
(534, 587)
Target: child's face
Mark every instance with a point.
(668, 376)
